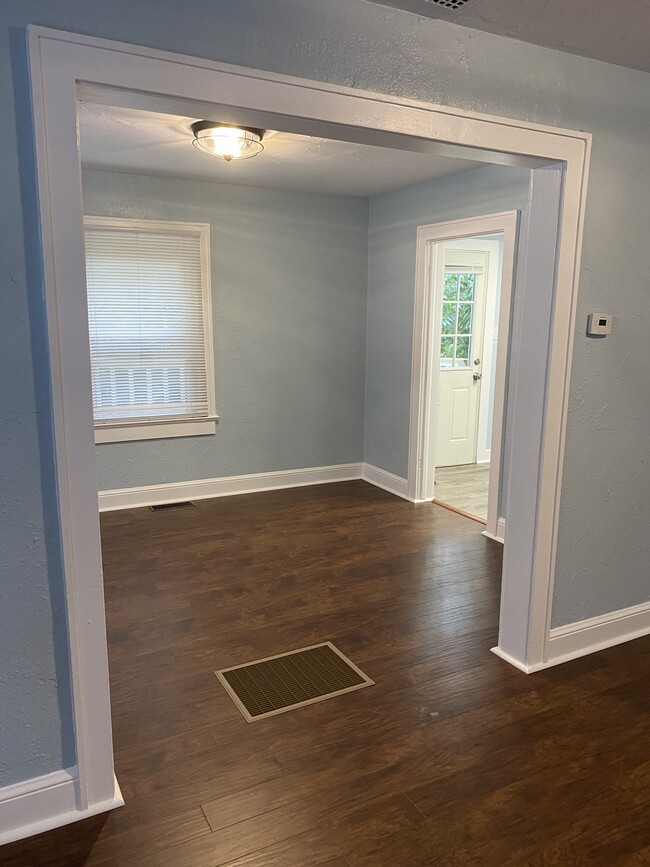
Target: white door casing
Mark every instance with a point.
(60, 64)
(431, 244)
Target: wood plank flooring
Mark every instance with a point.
(464, 487)
(452, 758)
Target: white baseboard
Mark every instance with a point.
(527, 669)
(387, 481)
(588, 636)
(500, 535)
(226, 486)
(597, 633)
(44, 803)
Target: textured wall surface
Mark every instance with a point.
(604, 545)
(617, 32)
(394, 219)
(289, 273)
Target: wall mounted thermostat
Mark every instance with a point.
(599, 324)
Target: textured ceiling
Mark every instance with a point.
(617, 31)
(130, 140)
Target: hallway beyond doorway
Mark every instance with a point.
(465, 488)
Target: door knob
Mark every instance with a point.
(477, 361)
(477, 376)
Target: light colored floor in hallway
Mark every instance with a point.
(464, 487)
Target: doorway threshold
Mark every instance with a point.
(459, 512)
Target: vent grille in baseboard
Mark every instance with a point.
(449, 4)
(163, 506)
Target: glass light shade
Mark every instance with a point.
(228, 142)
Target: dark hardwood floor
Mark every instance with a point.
(452, 758)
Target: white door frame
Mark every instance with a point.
(426, 351)
(494, 249)
(61, 63)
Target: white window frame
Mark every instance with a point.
(181, 426)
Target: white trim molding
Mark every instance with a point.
(387, 481)
(42, 803)
(500, 535)
(517, 663)
(168, 429)
(425, 360)
(589, 636)
(597, 633)
(111, 500)
(65, 67)
(225, 486)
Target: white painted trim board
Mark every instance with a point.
(43, 803)
(225, 486)
(425, 361)
(230, 486)
(58, 61)
(589, 636)
(387, 481)
(500, 535)
(597, 633)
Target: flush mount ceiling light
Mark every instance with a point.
(227, 142)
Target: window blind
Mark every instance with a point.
(146, 314)
(464, 269)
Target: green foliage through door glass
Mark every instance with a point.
(449, 318)
(462, 352)
(465, 318)
(467, 283)
(450, 291)
(447, 347)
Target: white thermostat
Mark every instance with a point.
(599, 324)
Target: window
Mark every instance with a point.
(150, 326)
(458, 299)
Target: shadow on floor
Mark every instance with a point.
(70, 845)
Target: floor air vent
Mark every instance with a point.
(290, 680)
(164, 506)
(449, 4)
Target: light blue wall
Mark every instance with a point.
(289, 274)
(604, 546)
(394, 219)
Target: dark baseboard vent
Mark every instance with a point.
(164, 506)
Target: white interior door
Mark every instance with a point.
(461, 356)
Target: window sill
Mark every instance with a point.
(130, 432)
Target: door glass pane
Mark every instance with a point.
(450, 292)
(465, 318)
(462, 352)
(457, 320)
(447, 352)
(467, 283)
(449, 313)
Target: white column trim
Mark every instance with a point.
(42, 803)
(589, 636)
(118, 72)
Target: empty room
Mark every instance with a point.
(324, 475)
